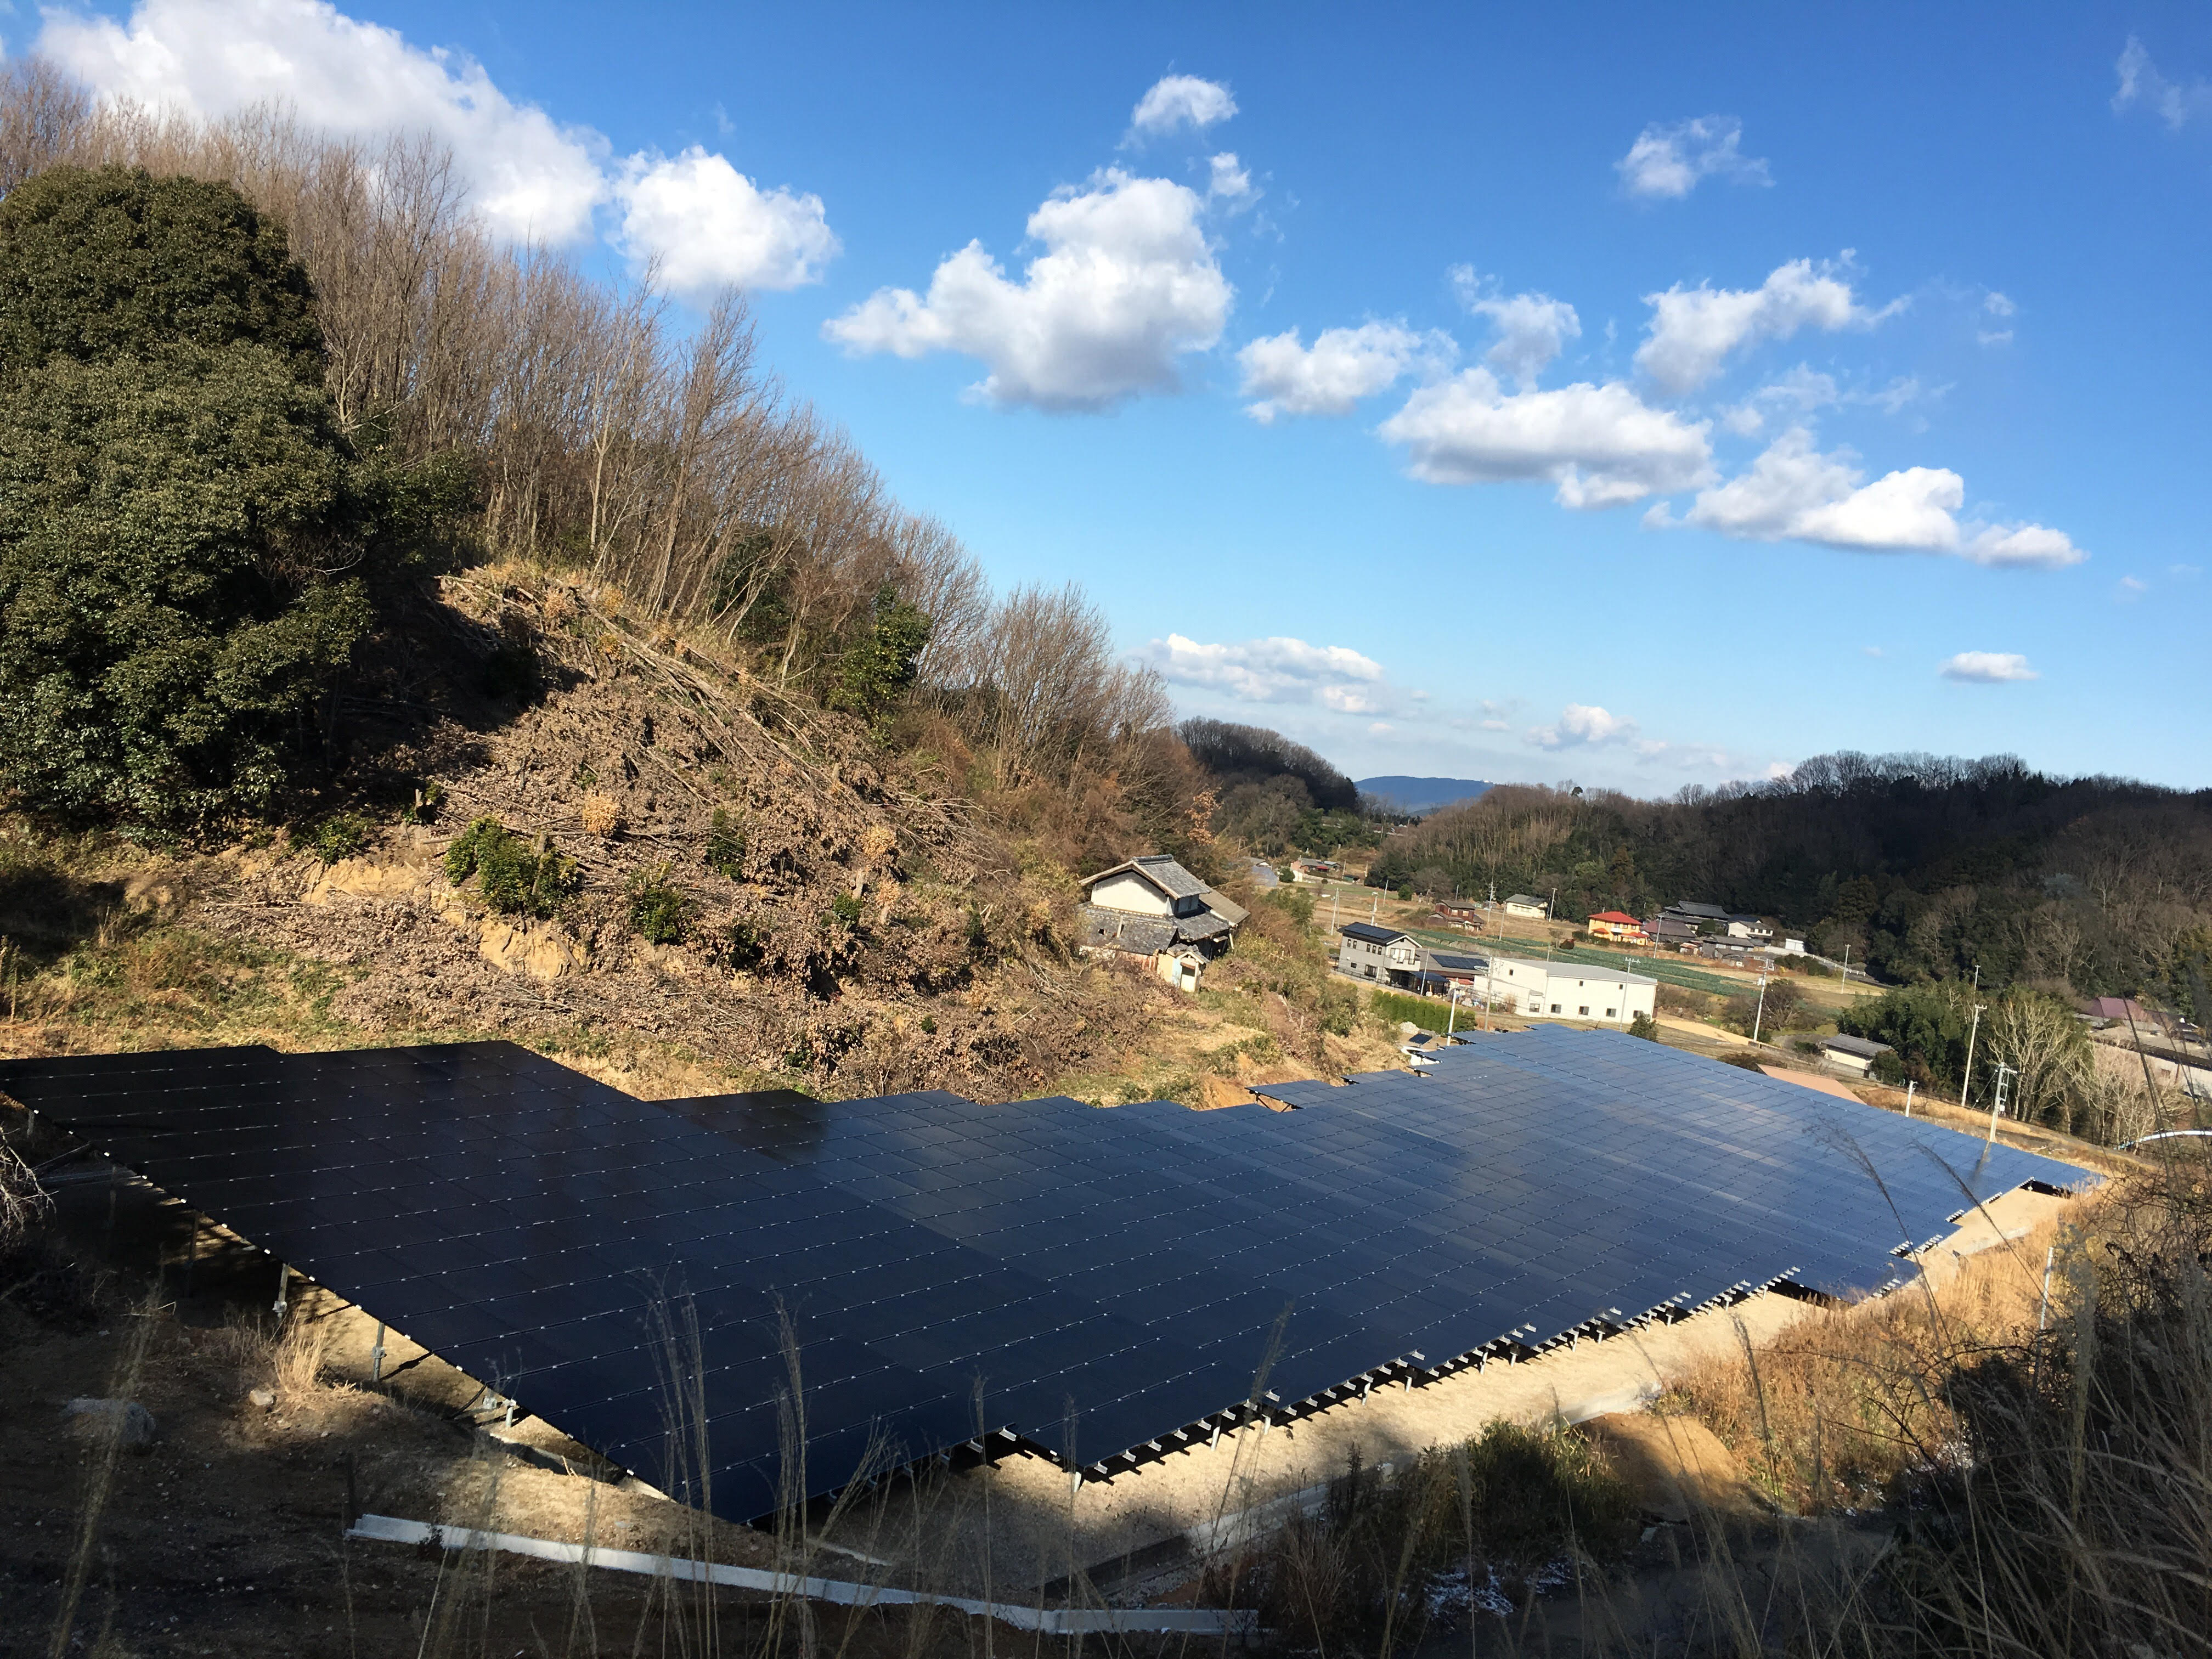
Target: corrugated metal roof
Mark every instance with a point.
(1860, 1046)
(1224, 907)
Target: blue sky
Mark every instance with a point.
(1667, 401)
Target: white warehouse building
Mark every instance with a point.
(1567, 990)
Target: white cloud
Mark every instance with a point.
(1533, 329)
(1276, 671)
(1601, 446)
(2171, 101)
(1342, 365)
(529, 177)
(1998, 306)
(2130, 588)
(1803, 390)
(1582, 725)
(1126, 285)
(1228, 181)
(1988, 668)
(709, 226)
(1871, 651)
(1668, 158)
(1794, 492)
(1181, 101)
(1693, 330)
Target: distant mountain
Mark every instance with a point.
(1422, 795)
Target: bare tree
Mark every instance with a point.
(42, 113)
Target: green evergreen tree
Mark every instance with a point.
(179, 518)
(879, 668)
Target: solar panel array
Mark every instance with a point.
(1110, 1276)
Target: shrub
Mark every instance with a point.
(342, 836)
(513, 878)
(1339, 1009)
(1406, 892)
(1428, 1013)
(1644, 1026)
(424, 807)
(601, 815)
(659, 912)
(745, 945)
(1294, 902)
(725, 846)
(845, 911)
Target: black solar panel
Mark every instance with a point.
(1119, 1269)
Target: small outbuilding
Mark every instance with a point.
(1853, 1054)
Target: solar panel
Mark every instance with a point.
(1106, 1276)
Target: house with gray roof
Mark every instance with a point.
(1152, 908)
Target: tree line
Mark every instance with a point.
(1923, 867)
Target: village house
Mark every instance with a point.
(1370, 951)
(1154, 908)
(1612, 924)
(1461, 913)
(1528, 907)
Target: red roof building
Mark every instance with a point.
(1611, 924)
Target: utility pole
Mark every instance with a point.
(1966, 1082)
(1910, 1085)
(1761, 1014)
(2004, 1072)
(1847, 967)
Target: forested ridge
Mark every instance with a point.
(1923, 867)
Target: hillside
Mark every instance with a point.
(1924, 868)
(763, 895)
(1422, 795)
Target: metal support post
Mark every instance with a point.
(283, 1283)
(376, 1356)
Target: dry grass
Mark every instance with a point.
(1827, 1418)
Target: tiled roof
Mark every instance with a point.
(1120, 930)
(1158, 868)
